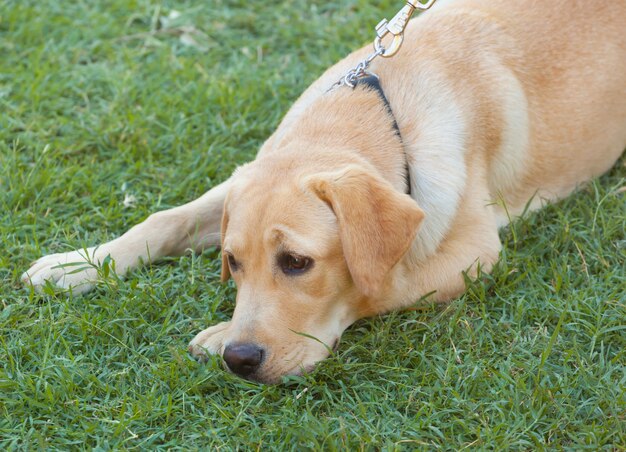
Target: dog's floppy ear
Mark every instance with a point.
(377, 224)
(225, 267)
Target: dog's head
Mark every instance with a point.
(309, 255)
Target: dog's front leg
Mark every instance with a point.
(195, 226)
(472, 247)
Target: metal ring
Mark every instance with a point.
(417, 4)
(391, 50)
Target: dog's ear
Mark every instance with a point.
(225, 267)
(377, 224)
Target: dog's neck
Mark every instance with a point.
(352, 124)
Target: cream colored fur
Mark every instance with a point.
(500, 103)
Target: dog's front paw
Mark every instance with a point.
(209, 342)
(77, 270)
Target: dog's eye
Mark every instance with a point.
(292, 264)
(232, 263)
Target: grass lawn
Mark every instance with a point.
(105, 118)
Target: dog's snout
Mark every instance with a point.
(243, 359)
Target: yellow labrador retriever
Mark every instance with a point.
(497, 104)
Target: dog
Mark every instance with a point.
(366, 199)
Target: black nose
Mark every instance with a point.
(243, 359)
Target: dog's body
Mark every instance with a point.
(499, 104)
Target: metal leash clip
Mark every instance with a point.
(396, 27)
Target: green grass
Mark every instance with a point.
(96, 105)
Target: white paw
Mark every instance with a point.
(76, 270)
(209, 341)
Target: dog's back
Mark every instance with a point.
(573, 71)
(541, 86)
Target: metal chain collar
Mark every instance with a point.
(396, 28)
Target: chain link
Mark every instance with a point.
(358, 71)
(396, 28)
